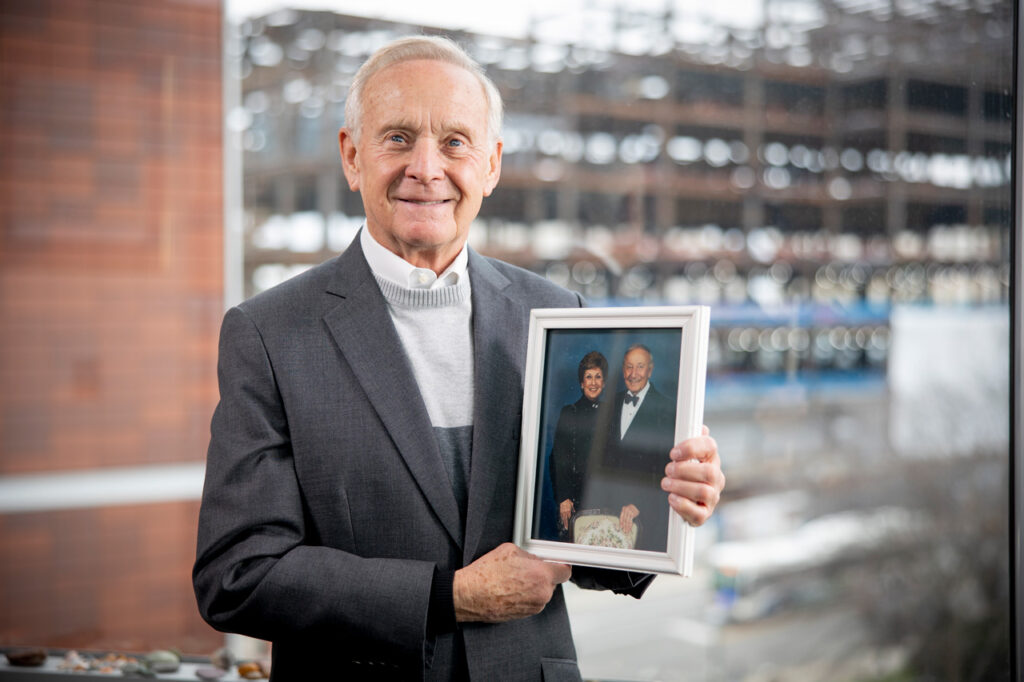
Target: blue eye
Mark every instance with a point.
(455, 143)
(396, 138)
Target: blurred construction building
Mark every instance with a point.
(832, 176)
(803, 178)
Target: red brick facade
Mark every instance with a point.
(113, 578)
(111, 281)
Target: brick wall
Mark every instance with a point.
(111, 280)
(111, 578)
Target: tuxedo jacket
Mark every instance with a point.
(327, 507)
(636, 461)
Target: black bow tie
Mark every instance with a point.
(632, 399)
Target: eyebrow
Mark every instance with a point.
(449, 126)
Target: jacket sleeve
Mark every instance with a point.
(620, 582)
(257, 572)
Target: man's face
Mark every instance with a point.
(423, 162)
(593, 383)
(636, 369)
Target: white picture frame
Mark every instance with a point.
(605, 476)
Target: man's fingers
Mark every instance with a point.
(506, 583)
(691, 512)
(702, 448)
(696, 472)
(560, 573)
(694, 478)
(701, 494)
(693, 501)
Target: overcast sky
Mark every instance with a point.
(512, 18)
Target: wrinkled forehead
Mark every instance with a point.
(637, 356)
(409, 87)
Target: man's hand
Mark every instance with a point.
(626, 516)
(565, 511)
(694, 478)
(504, 584)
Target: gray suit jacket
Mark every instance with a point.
(327, 506)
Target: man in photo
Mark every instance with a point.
(641, 426)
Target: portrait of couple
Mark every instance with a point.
(607, 450)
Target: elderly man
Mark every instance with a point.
(640, 430)
(359, 489)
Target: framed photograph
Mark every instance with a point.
(608, 392)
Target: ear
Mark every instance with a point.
(347, 146)
(493, 169)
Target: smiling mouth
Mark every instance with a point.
(416, 202)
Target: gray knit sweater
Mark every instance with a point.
(435, 326)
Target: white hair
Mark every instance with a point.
(434, 48)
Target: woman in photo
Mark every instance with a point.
(574, 437)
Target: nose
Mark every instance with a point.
(426, 163)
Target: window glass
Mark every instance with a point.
(833, 178)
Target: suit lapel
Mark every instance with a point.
(499, 345)
(363, 330)
(646, 416)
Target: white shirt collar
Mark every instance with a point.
(629, 411)
(391, 266)
(642, 394)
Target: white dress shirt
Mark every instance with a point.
(391, 266)
(629, 410)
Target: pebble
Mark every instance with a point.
(26, 658)
(223, 658)
(163, 661)
(136, 669)
(252, 671)
(210, 673)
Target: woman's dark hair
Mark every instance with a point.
(592, 360)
